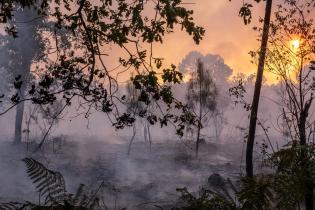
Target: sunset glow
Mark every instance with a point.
(295, 44)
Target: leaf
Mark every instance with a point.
(50, 184)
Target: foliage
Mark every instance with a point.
(255, 193)
(16, 206)
(133, 105)
(294, 166)
(206, 200)
(289, 58)
(219, 194)
(283, 188)
(20, 52)
(238, 91)
(137, 108)
(292, 65)
(83, 198)
(245, 11)
(83, 74)
(93, 29)
(49, 184)
(202, 91)
(201, 96)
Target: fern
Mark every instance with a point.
(85, 198)
(9, 206)
(81, 197)
(206, 200)
(52, 188)
(256, 193)
(16, 206)
(49, 184)
(78, 195)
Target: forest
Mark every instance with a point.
(157, 104)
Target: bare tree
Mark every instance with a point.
(220, 73)
(289, 57)
(256, 97)
(201, 97)
(138, 109)
(18, 54)
(45, 118)
(94, 28)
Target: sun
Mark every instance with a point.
(295, 44)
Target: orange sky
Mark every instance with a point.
(226, 35)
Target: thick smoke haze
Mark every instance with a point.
(89, 150)
(146, 105)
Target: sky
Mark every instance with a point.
(226, 35)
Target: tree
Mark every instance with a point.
(43, 117)
(201, 97)
(289, 57)
(138, 109)
(18, 54)
(220, 73)
(256, 97)
(94, 28)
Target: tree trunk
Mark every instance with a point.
(200, 111)
(309, 205)
(19, 117)
(18, 123)
(198, 140)
(145, 132)
(132, 138)
(149, 136)
(216, 127)
(256, 97)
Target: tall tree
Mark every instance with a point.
(290, 57)
(18, 53)
(201, 97)
(258, 84)
(220, 73)
(138, 109)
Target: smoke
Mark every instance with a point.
(91, 151)
(144, 176)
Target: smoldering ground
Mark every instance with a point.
(92, 152)
(141, 180)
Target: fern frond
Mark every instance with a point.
(16, 206)
(79, 194)
(84, 200)
(94, 204)
(232, 186)
(8, 206)
(49, 184)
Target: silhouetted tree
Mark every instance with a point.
(201, 97)
(289, 57)
(220, 73)
(94, 29)
(144, 113)
(258, 84)
(17, 56)
(135, 108)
